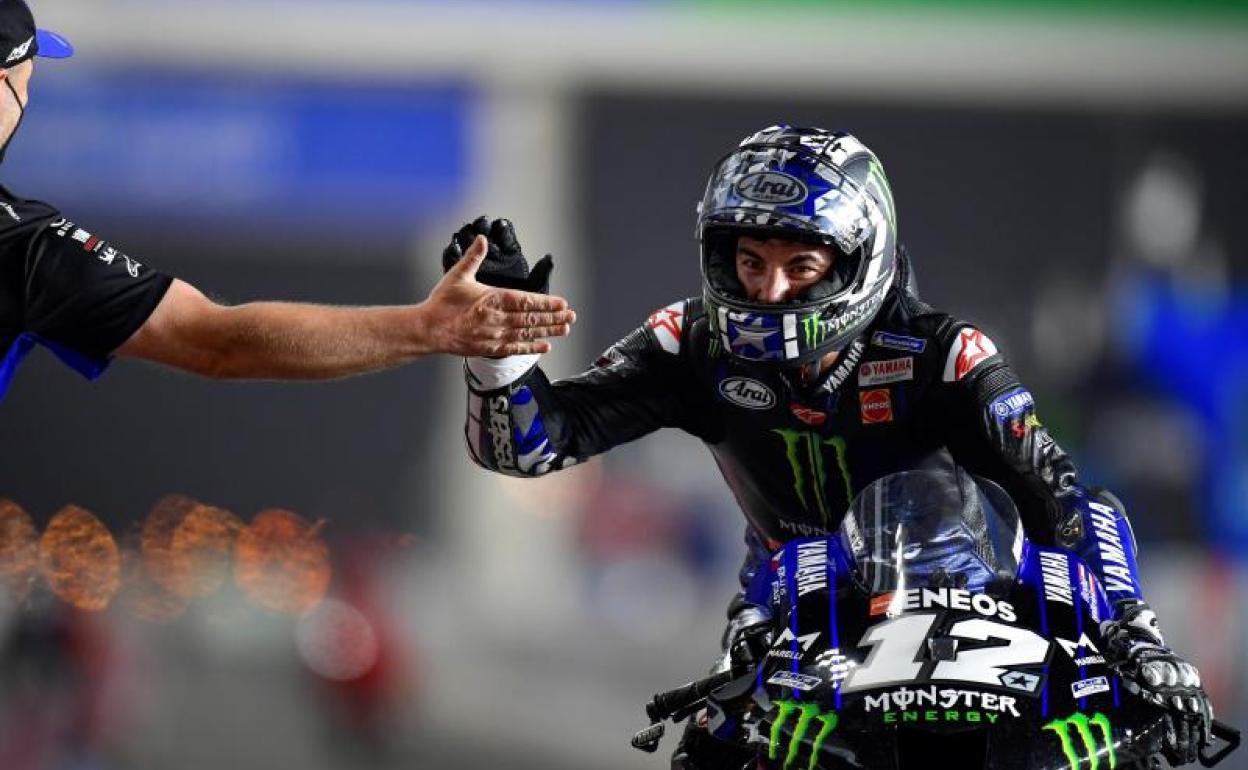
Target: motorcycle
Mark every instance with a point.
(927, 630)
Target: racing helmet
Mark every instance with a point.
(801, 184)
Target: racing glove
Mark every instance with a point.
(1138, 652)
(748, 637)
(505, 266)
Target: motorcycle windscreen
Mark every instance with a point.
(933, 529)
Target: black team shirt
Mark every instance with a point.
(64, 287)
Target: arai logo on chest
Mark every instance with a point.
(747, 393)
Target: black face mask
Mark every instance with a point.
(21, 114)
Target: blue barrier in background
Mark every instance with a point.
(224, 148)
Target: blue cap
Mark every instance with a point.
(21, 40)
(52, 45)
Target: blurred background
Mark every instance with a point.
(1071, 176)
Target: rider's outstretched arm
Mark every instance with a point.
(522, 424)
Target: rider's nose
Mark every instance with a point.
(774, 288)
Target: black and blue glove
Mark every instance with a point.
(505, 266)
(1138, 652)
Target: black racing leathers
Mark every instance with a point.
(918, 388)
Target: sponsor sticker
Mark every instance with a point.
(1021, 680)
(812, 417)
(1011, 404)
(957, 599)
(891, 370)
(1055, 572)
(898, 342)
(880, 604)
(1085, 687)
(803, 682)
(812, 567)
(747, 393)
(934, 697)
(834, 664)
(783, 646)
(667, 324)
(1073, 649)
(772, 187)
(1081, 743)
(969, 350)
(806, 715)
(876, 406)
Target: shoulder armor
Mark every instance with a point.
(967, 349)
(669, 324)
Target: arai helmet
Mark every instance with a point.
(803, 184)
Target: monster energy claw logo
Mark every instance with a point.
(1075, 732)
(802, 447)
(807, 713)
(815, 330)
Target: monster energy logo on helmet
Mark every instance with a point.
(1080, 742)
(807, 715)
(806, 185)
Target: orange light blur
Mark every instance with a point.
(281, 563)
(156, 544)
(79, 559)
(145, 598)
(204, 544)
(19, 550)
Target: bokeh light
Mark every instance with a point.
(146, 598)
(156, 541)
(80, 559)
(281, 563)
(183, 549)
(203, 544)
(19, 550)
(336, 641)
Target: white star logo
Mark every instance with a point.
(752, 336)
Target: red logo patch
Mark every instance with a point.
(876, 405)
(880, 603)
(807, 415)
(666, 323)
(970, 350)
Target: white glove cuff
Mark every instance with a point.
(486, 374)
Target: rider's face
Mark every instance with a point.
(12, 102)
(777, 270)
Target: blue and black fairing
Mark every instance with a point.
(1051, 701)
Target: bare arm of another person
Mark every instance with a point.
(286, 340)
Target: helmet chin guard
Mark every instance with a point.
(806, 185)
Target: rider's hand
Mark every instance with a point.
(1136, 649)
(748, 637)
(504, 265)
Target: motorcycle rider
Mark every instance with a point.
(810, 367)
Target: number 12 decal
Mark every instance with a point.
(897, 647)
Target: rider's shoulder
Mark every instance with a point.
(670, 325)
(955, 345)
